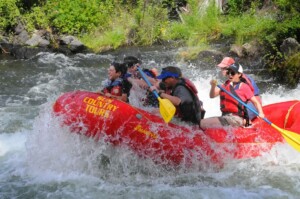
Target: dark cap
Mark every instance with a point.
(236, 67)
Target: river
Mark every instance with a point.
(41, 159)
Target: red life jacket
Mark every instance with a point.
(228, 104)
(190, 85)
(114, 87)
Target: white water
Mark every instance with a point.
(41, 159)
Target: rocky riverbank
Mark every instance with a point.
(22, 45)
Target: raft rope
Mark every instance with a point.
(288, 114)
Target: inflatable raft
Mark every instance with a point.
(147, 134)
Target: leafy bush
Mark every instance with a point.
(150, 20)
(9, 14)
(247, 27)
(239, 7)
(198, 27)
(288, 71)
(105, 41)
(36, 18)
(78, 16)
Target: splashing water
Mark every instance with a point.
(41, 159)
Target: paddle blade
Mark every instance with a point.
(166, 109)
(291, 138)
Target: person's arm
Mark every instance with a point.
(175, 100)
(138, 82)
(258, 106)
(214, 90)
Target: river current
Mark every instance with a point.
(40, 159)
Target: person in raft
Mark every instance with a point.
(137, 81)
(115, 86)
(233, 113)
(182, 95)
(150, 100)
(225, 63)
(132, 63)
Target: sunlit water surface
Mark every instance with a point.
(41, 159)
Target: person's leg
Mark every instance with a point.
(212, 122)
(220, 122)
(233, 120)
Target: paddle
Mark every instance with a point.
(291, 137)
(166, 108)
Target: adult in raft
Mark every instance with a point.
(137, 81)
(115, 86)
(182, 94)
(233, 113)
(225, 63)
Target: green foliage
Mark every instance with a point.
(239, 7)
(150, 21)
(198, 27)
(288, 5)
(293, 70)
(36, 19)
(103, 41)
(142, 24)
(288, 72)
(9, 14)
(78, 16)
(247, 27)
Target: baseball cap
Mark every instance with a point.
(236, 67)
(227, 61)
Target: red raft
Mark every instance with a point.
(149, 136)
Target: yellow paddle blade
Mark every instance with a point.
(166, 109)
(291, 138)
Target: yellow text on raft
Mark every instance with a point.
(100, 106)
(140, 129)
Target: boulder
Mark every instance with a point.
(289, 46)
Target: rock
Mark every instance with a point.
(25, 52)
(37, 40)
(252, 49)
(21, 38)
(72, 43)
(237, 50)
(289, 46)
(19, 28)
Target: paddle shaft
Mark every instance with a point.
(147, 81)
(240, 101)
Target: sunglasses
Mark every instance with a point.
(230, 72)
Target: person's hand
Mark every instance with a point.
(213, 82)
(261, 115)
(152, 88)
